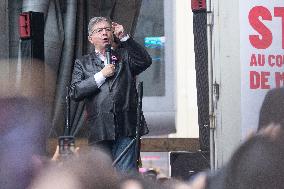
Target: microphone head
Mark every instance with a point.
(108, 47)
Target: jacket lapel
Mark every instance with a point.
(96, 60)
(118, 69)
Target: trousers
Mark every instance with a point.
(128, 163)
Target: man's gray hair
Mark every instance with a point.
(96, 20)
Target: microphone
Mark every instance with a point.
(108, 53)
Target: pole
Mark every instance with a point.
(210, 79)
(67, 113)
(139, 121)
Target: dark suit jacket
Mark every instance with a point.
(111, 108)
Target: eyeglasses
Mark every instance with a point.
(100, 30)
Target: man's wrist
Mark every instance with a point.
(99, 78)
(124, 38)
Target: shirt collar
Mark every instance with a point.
(100, 55)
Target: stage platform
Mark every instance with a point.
(147, 144)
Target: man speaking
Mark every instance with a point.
(107, 83)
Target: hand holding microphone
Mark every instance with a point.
(109, 69)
